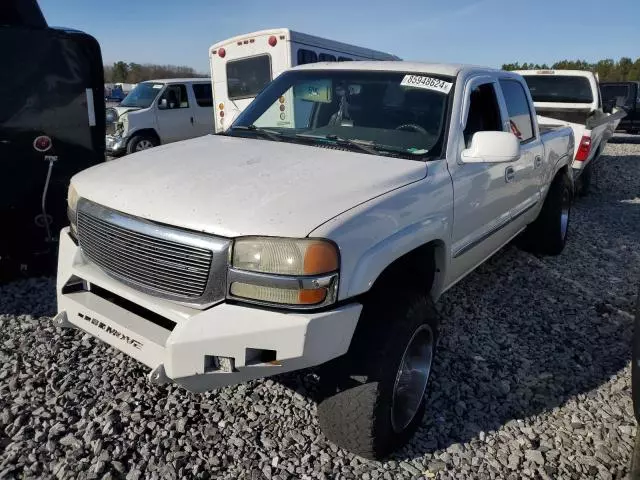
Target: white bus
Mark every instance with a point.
(242, 66)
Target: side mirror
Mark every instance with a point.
(492, 147)
(162, 104)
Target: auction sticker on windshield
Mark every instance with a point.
(429, 83)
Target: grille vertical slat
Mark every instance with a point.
(155, 263)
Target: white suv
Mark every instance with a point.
(160, 111)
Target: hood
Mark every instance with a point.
(236, 186)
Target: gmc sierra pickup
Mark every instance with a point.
(321, 237)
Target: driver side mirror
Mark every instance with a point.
(162, 104)
(492, 147)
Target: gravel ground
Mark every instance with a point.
(532, 379)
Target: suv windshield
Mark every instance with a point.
(559, 88)
(615, 91)
(142, 96)
(381, 113)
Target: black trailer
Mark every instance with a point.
(626, 95)
(52, 125)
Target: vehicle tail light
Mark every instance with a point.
(583, 149)
(273, 41)
(222, 52)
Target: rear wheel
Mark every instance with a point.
(376, 402)
(141, 142)
(547, 235)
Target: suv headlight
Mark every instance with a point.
(284, 271)
(72, 208)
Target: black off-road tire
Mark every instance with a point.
(138, 140)
(546, 235)
(356, 415)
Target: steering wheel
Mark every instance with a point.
(412, 127)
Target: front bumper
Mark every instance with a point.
(188, 346)
(115, 145)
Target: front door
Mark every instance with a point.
(174, 114)
(482, 191)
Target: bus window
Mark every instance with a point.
(247, 76)
(306, 56)
(325, 57)
(344, 59)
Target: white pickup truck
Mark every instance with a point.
(324, 241)
(572, 98)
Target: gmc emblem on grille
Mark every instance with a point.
(112, 331)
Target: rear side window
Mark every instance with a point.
(559, 88)
(518, 109)
(204, 94)
(325, 57)
(247, 76)
(307, 56)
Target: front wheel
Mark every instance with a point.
(547, 235)
(141, 142)
(379, 402)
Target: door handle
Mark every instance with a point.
(509, 174)
(537, 161)
(191, 120)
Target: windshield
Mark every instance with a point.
(382, 113)
(142, 96)
(247, 76)
(559, 88)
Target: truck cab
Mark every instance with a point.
(627, 96)
(157, 112)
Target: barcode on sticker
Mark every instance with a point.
(428, 83)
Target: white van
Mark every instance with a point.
(156, 112)
(242, 66)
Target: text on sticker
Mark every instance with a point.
(428, 83)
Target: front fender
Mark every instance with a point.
(373, 235)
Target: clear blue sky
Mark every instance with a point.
(485, 32)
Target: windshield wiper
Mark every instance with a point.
(271, 134)
(367, 147)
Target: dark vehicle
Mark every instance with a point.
(115, 95)
(627, 96)
(52, 125)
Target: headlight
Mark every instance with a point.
(72, 206)
(285, 271)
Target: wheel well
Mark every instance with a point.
(422, 268)
(147, 132)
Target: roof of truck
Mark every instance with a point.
(449, 69)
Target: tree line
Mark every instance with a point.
(608, 70)
(123, 72)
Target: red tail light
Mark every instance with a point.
(583, 149)
(222, 52)
(273, 41)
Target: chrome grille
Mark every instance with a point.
(157, 259)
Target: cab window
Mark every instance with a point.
(175, 97)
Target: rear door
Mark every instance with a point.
(526, 176)
(202, 108)
(175, 120)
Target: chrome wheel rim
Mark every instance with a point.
(412, 378)
(143, 145)
(564, 213)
